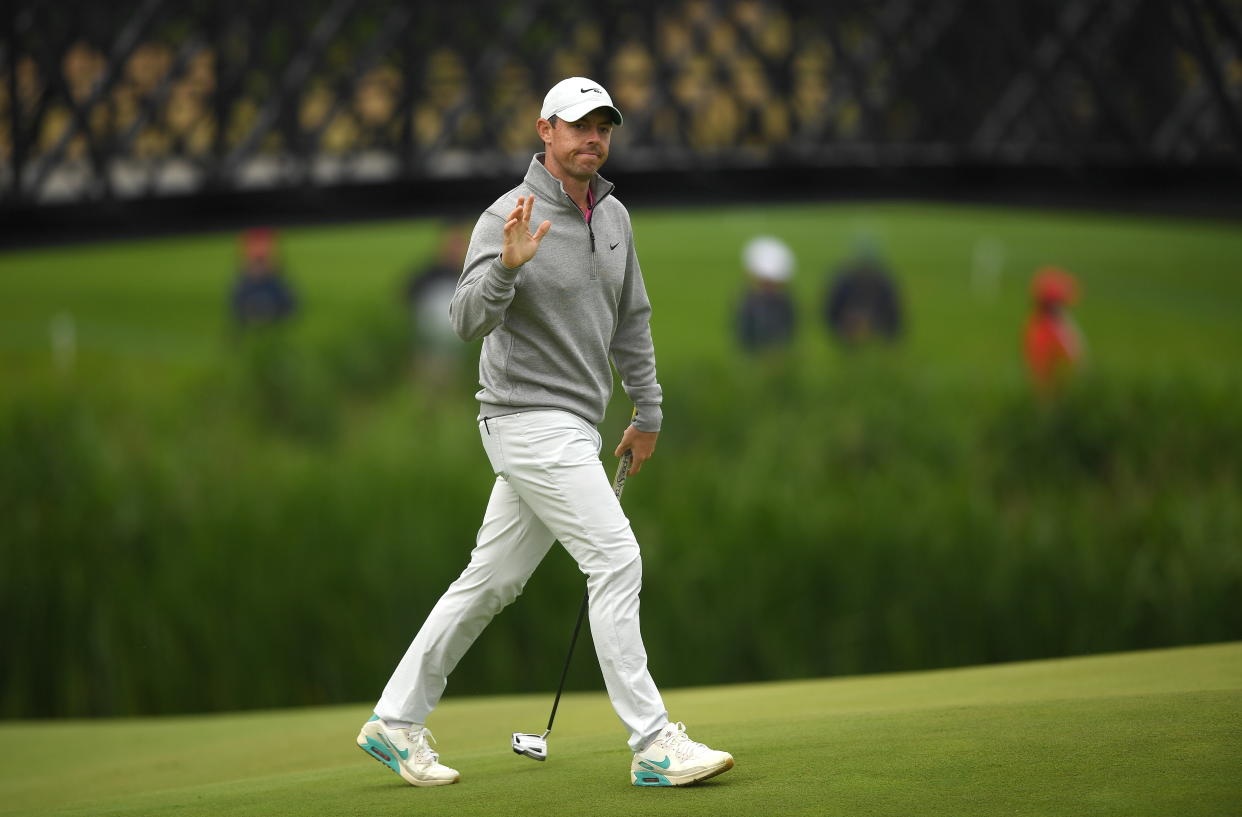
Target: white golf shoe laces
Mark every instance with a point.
(676, 740)
(421, 742)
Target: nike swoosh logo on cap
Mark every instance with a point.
(584, 90)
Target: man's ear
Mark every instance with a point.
(544, 128)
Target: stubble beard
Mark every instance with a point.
(586, 165)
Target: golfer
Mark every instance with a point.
(553, 306)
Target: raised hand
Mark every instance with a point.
(519, 245)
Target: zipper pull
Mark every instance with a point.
(592, 232)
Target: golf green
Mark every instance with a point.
(1150, 733)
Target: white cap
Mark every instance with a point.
(768, 258)
(573, 98)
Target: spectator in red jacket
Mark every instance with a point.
(1053, 344)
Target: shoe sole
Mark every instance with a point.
(389, 762)
(646, 779)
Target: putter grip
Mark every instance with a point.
(623, 473)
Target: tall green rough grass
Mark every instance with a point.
(276, 536)
(868, 521)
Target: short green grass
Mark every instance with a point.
(1150, 733)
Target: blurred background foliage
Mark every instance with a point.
(200, 518)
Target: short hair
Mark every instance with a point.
(553, 119)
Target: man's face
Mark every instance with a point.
(578, 149)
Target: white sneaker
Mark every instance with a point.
(672, 759)
(406, 752)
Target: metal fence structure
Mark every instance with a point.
(141, 100)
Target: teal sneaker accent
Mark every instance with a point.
(650, 779)
(405, 754)
(373, 718)
(381, 753)
(651, 764)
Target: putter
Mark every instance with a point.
(530, 744)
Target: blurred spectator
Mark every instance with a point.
(862, 300)
(1053, 344)
(428, 293)
(765, 317)
(261, 294)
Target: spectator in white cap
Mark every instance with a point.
(766, 317)
(556, 309)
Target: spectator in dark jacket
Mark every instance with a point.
(429, 288)
(261, 294)
(862, 301)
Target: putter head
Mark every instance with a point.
(534, 747)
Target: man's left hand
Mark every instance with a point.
(641, 443)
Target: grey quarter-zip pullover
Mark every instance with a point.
(551, 327)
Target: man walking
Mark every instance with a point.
(553, 306)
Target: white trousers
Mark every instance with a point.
(550, 486)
